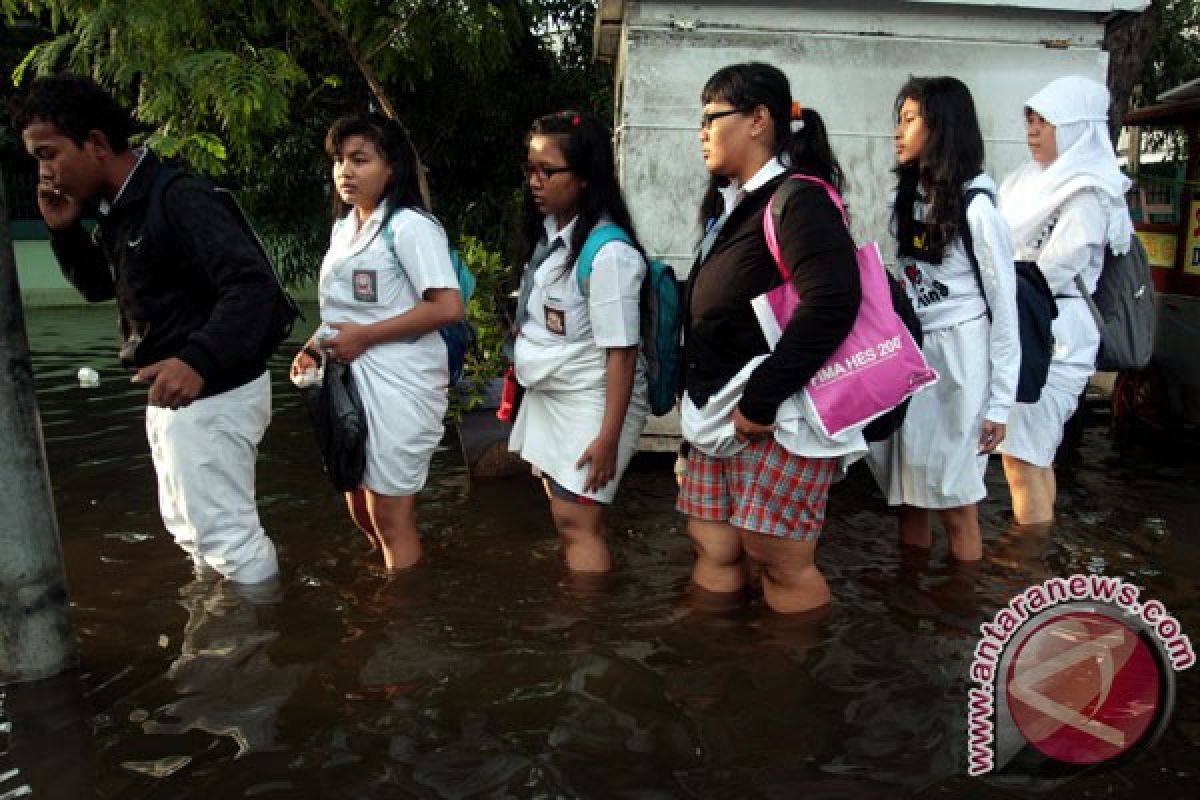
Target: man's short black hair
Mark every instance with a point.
(76, 106)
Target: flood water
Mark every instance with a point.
(489, 673)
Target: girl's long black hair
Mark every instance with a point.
(404, 188)
(952, 156)
(753, 84)
(587, 147)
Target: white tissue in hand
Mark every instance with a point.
(309, 377)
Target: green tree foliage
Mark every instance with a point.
(215, 80)
(1175, 54)
(245, 91)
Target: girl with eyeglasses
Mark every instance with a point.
(757, 477)
(577, 332)
(936, 461)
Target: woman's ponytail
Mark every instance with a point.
(804, 147)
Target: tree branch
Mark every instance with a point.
(364, 67)
(1128, 39)
(376, 86)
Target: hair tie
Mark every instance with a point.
(576, 120)
(797, 111)
(797, 116)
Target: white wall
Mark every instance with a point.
(845, 59)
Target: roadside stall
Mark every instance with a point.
(1164, 147)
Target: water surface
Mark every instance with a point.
(488, 672)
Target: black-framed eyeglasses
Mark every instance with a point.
(708, 117)
(544, 173)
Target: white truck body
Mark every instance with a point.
(847, 60)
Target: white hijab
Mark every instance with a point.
(1078, 109)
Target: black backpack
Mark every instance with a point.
(884, 425)
(158, 233)
(1124, 309)
(1036, 311)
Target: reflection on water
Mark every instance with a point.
(224, 674)
(489, 672)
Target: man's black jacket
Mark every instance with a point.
(204, 296)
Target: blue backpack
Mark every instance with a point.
(1036, 311)
(460, 336)
(661, 317)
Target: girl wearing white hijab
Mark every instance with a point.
(1064, 207)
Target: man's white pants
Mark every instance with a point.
(205, 455)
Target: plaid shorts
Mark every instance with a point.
(764, 489)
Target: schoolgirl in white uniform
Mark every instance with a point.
(936, 461)
(386, 286)
(1065, 207)
(577, 346)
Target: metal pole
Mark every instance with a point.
(36, 637)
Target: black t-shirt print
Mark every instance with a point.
(914, 243)
(928, 291)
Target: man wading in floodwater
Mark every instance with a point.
(195, 302)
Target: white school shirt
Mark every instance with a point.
(734, 192)
(1071, 243)
(946, 295)
(561, 358)
(381, 273)
(372, 275)
(562, 339)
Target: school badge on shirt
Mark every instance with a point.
(366, 285)
(556, 320)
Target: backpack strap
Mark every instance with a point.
(773, 219)
(462, 273)
(600, 236)
(964, 232)
(160, 233)
(1091, 302)
(385, 230)
(240, 214)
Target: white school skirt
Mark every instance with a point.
(554, 428)
(1035, 430)
(404, 413)
(933, 461)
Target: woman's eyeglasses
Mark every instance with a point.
(708, 117)
(542, 172)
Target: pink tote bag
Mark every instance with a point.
(878, 365)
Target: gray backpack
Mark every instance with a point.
(1124, 309)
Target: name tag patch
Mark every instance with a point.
(556, 320)
(366, 285)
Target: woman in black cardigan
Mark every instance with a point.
(757, 477)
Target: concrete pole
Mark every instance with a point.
(36, 638)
